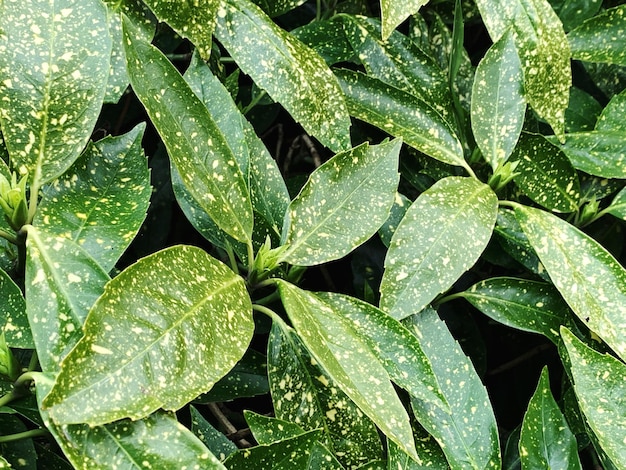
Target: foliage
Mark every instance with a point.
(351, 219)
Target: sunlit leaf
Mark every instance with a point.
(394, 12)
(13, 314)
(601, 38)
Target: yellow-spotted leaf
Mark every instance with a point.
(13, 319)
(53, 75)
(394, 12)
(601, 38)
(164, 331)
(278, 7)
(611, 117)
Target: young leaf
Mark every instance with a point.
(62, 282)
(498, 104)
(53, 75)
(344, 202)
(13, 317)
(468, 434)
(394, 12)
(195, 144)
(590, 280)
(601, 38)
(441, 236)
(546, 440)
(165, 330)
(349, 361)
(600, 386)
(290, 72)
(101, 201)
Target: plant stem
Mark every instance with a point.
(34, 361)
(231, 258)
(8, 236)
(250, 256)
(24, 435)
(272, 314)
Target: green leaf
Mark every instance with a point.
(600, 386)
(327, 38)
(618, 205)
(217, 442)
(290, 72)
(344, 203)
(429, 456)
(611, 118)
(53, 75)
(394, 12)
(194, 142)
(441, 236)
(190, 319)
(400, 205)
(601, 38)
(468, 434)
(13, 314)
(546, 440)
(498, 106)
(583, 111)
(267, 430)
(62, 282)
(590, 280)
(278, 7)
(349, 361)
(303, 393)
(545, 174)
(401, 115)
(573, 12)
(101, 201)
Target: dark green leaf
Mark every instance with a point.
(165, 330)
(582, 113)
(601, 38)
(400, 205)
(429, 456)
(20, 454)
(573, 12)
(268, 430)
(13, 314)
(394, 12)
(217, 443)
(618, 205)
(278, 7)
(612, 116)
(327, 38)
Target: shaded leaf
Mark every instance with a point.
(601, 38)
(216, 442)
(394, 12)
(618, 205)
(400, 205)
(582, 113)
(278, 7)
(441, 236)
(573, 13)
(13, 314)
(611, 118)
(165, 330)
(267, 430)
(327, 38)
(429, 456)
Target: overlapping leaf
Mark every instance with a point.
(267, 430)
(583, 111)
(53, 75)
(394, 12)
(601, 38)
(429, 456)
(618, 205)
(13, 317)
(218, 443)
(440, 237)
(278, 7)
(327, 38)
(165, 330)
(611, 117)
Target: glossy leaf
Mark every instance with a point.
(165, 330)
(303, 393)
(573, 13)
(350, 362)
(590, 280)
(290, 72)
(327, 38)
(610, 119)
(545, 174)
(62, 282)
(600, 386)
(278, 7)
(546, 440)
(53, 75)
(601, 38)
(194, 142)
(582, 113)
(394, 12)
(468, 434)
(618, 205)
(401, 115)
(216, 442)
(498, 104)
(440, 237)
(429, 456)
(101, 201)
(13, 317)
(267, 430)
(328, 219)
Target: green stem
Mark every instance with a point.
(8, 236)
(24, 435)
(272, 314)
(268, 299)
(253, 103)
(250, 249)
(509, 204)
(33, 364)
(34, 197)
(231, 258)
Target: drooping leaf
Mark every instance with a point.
(600, 386)
(344, 202)
(194, 142)
(13, 317)
(216, 442)
(394, 12)
(611, 117)
(267, 430)
(349, 361)
(440, 237)
(401, 115)
(546, 440)
(290, 72)
(62, 282)
(165, 330)
(53, 75)
(101, 201)
(590, 280)
(498, 104)
(468, 434)
(601, 38)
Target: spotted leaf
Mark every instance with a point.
(278, 7)
(546, 440)
(349, 361)
(468, 434)
(618, 205)
(101, 201)
(601, 38)
(327, 38)
(573, 13)
(400, 205)
(165, 330)
(441, 236)
(194, 142)
(498, 105)
(13, 317)
(590, 280)
(328, 219)
(267, 430)
(429, 456)
(600, 386)
(394, 12)
(53, 75)
(216, 441)
(291, 73)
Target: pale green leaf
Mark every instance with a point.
(601, 38)
(62, 282)
(4, 463)
(612, 117)
(590, 280)
(394, 12)
(101, 201)
(291, 73)
(498, 104)
(13, 317)
(546, 440)
(165, 330)
(267, 430)
(600, 386)
(440, 237)
(194, 142)
(53, 75)
(217, 443)
(344, 203)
